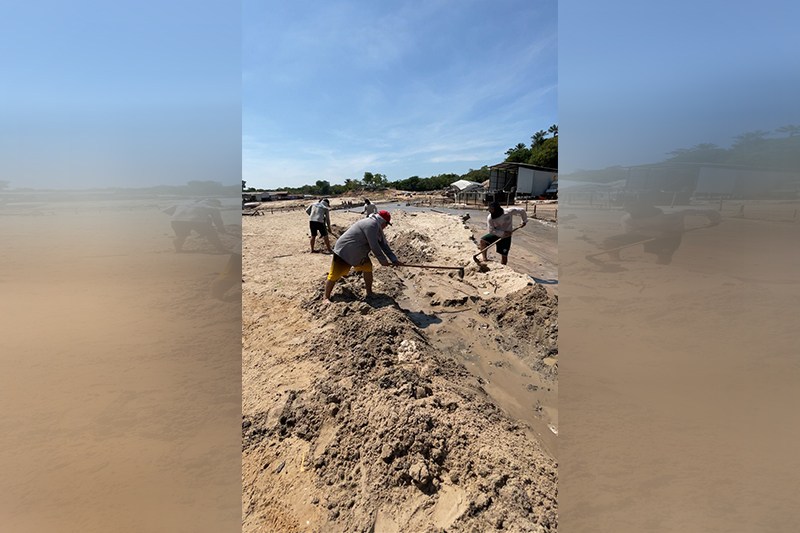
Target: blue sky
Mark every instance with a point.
(331, 90)
(96, 93)
(639, 79)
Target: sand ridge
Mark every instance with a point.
(362, 415)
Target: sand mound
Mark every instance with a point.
(360, 414)
(412, 247)
(531, 315)
(399, 435)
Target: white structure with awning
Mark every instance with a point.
(465, 185)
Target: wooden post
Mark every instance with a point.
(675, 195)
(720, 203)
(534, 210)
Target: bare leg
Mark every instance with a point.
(368, 282)
(178, 242)
(327, 243)
(213, 238)
(219, 287)
(328, 288)
(313, 240)
(484, 244)
(503, 259)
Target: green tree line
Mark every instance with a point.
(751, 148)
(542, 152)
(376, 181)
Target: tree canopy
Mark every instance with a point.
(542, 152)
(751, 148)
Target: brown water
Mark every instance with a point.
(469, 338)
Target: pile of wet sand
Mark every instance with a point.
(531, 318)
(363, 422)
(402, 434)
(412, 246)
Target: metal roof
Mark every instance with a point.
(507, 165)
(688, 164)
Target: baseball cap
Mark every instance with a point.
(386, 216)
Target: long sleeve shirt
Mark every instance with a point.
(195, 212)
(500, 225)
(664, 224)
(362, 237)
(319, 212)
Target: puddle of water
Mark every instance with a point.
(470, 338)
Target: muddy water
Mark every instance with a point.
(470, 338)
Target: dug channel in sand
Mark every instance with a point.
(368, 414)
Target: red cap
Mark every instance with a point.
(386, 216)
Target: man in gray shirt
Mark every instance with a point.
(197, 216)
(353, 248)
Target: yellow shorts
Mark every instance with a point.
(233, 270)
(340, 268)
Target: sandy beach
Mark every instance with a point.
(432, 405)
(120, 384)
(680, 396)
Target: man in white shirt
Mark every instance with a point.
(501, 223)
(199, 216)
(662, 232)
(319, 221)
(369, 208)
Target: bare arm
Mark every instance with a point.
(216, 216)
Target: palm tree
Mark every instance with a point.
(704, 146)
(538, 138)
(750, 137)
(791, 129)
(678, 151)
(553, 129)
(517, 148)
